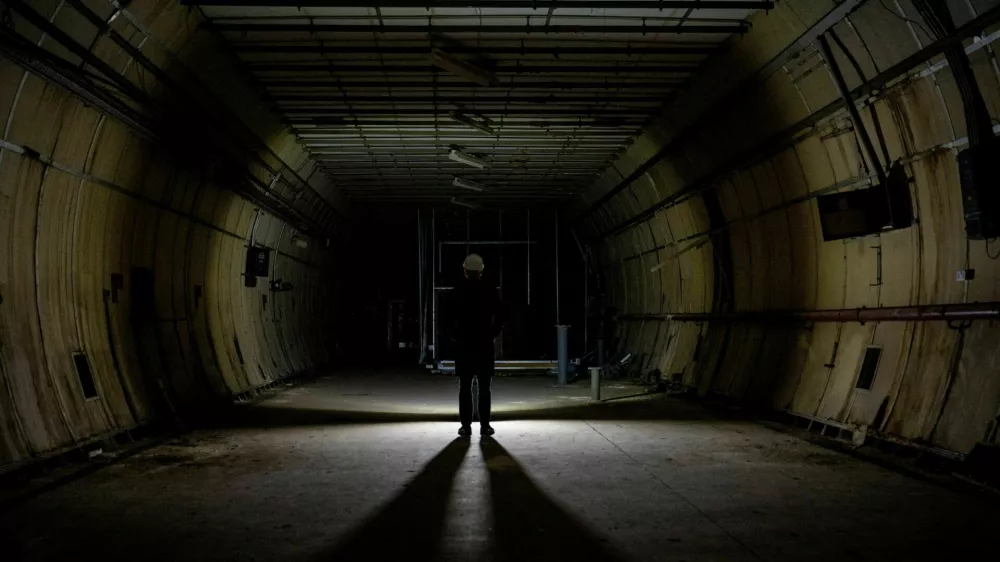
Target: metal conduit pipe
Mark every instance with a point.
(927, 313)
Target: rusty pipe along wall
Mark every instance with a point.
(723, 225)
(929, 313)
(127, 261)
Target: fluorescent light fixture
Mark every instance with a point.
(462, 69)
(482, 126)
(465, 203)
(467, 159)
(468, 184)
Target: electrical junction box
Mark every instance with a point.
(258, 261)
(979, 170)
(867, 211)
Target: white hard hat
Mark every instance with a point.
(473, 263)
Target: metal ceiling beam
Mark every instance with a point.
(424, 98)
(430, 190)
(389, 151)
(496, 50)
(490, 111)
(401, 140)
(389, 131)
(445, 185)
(444, 145)
(551, 171)
(417, 191)
(736, 27)
(627, 124)
(502, 165)
(565, 121)
(327, 115)
(416, 195)
(432, 84)
(458, 140)
(402, 173)
(506, 69)
(437, 170)
(509, 202)
(405, 190)
(511, 178)
(533, 4)
(330, 166)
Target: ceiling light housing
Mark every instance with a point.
(467, 159)
(463, 69)
(468, 184)
(482, 126)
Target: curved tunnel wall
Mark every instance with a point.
(735, 228)
(84, 200)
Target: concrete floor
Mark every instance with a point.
(367, 467)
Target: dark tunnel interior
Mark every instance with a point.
(745, 253)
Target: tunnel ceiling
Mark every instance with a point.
(377, 90)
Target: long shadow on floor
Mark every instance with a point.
(530, 526)
(527, 524)
(264, 416)
(410, 527)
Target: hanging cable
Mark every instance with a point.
(977, 115)
(876, 123)
(988, 254)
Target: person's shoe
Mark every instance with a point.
(486, 431)
(465, 431)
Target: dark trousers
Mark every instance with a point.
(465, 398)
(474, 362)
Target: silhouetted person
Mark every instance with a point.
(476, 319)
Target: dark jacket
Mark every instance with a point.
(475, 316)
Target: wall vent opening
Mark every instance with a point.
(86, 376)
(869, 366)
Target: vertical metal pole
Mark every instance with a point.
(595, 383)
(420, 287)
(557, 265)
(586, 303)
(562, 337)
(434, 293)
(528, 238)
(501, 251)
(388, 329)
(501, 276)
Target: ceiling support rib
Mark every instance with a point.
(532, 4)
(554, 50)
(736, 27)
(332, 67)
